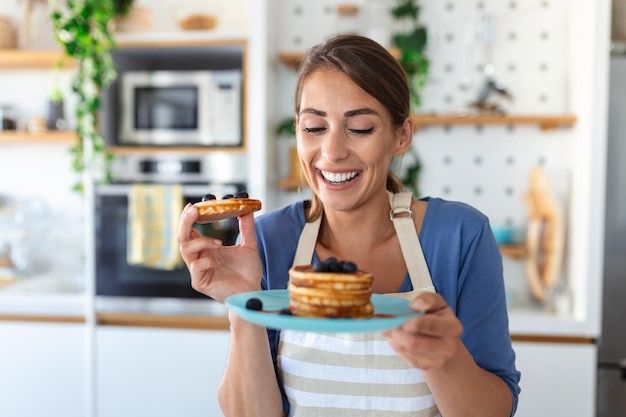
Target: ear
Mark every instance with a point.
(405, 136)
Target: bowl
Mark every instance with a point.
(197, 21)
(504, 235)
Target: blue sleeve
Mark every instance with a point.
(466, 266)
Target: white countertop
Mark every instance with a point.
(46, 294)
(52, 294)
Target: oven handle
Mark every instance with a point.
(188, 190)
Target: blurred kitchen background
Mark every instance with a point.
(515, 115)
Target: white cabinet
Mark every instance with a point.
(558, 379)
(42, 369)
(158, 372)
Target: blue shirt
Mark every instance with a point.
(465, 265)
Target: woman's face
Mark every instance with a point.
(346, 140)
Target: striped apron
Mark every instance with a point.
(357, 374)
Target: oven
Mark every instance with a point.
(217, 174)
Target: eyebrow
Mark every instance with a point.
(349, 113)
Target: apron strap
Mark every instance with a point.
(402, 217)
(407, 236)
(307, 242)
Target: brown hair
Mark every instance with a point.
(372, 68)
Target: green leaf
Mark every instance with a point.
(83, 32)
(287, 127)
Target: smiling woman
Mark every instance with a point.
(386, 89)
(455, 359)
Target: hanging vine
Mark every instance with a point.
(83, 30)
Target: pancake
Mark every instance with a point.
(330, 294)
(215, 210)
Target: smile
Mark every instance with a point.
(338, 178)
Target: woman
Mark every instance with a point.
(352, 119)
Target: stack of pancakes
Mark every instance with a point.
(330, 294)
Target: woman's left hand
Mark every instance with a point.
(431, 340)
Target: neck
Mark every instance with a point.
(362, 229)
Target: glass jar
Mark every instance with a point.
(8, 117)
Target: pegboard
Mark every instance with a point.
(526, 43)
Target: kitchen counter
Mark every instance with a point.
(51, 297)
(48, 294)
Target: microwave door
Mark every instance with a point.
(165, 108)
(167, 115)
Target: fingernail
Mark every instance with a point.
(418, 305)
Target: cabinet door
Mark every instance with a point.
(42, 369)
(558, 379)
(158, 372)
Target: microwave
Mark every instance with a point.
(180, 108)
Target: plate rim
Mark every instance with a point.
(312, 324)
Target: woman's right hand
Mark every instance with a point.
(217, 270)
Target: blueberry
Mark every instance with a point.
(285, 312)
(227, 196)
(241, 194)
(320, 267)
(348, 267)
(254, 304)
(330, 260)
(207, 197)
(333, 265)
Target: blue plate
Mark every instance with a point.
(389, 312)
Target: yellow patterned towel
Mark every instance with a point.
(153, 216)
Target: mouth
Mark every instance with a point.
(339, 177)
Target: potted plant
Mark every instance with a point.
(83, 30)
(295, 180)
(56, 111)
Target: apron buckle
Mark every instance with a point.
(394, 212)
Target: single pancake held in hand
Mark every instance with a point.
(210, 209)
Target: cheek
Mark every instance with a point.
(305, 150)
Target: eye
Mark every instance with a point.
(312, 130)
(362, 131)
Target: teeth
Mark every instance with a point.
(337, 177)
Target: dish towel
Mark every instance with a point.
(153, 216)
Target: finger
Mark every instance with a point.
(441, 324)
(420, 350)
(187, 219)
(198, 248)
(428, 302)
(246, 229)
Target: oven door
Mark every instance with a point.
(115, 277)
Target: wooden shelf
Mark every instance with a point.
(291, 59)
(294, 59)
(544, 122)
(178, 39)
(130, 150)
(50, 136)
(291, 185)
(12, 59)
(517, 251)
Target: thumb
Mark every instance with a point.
(246, 229)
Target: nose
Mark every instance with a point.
(334, 146)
